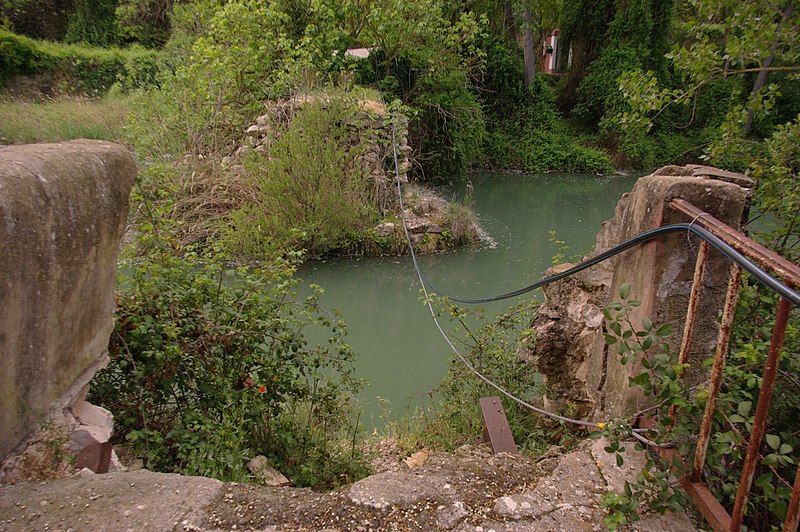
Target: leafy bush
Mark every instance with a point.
(210, 367)
(541, 151)
(314, 192)
(448, 130)
(77, 68)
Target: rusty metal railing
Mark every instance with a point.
(710, 507)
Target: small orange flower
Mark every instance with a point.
(262, 389)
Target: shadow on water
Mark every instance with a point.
(398, 349)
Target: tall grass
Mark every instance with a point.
(62, 119)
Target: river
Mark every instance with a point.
(398, 348)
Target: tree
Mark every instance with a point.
(723, 45)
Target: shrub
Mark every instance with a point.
(314, 191)
(210, 367)
(79, 69)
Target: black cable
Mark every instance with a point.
(721, 246)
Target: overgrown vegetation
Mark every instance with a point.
(679, 409)
(210, 368)
(491, 345)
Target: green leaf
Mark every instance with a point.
(744, 408)
(664, 331)
(620, 460)
(785, 448)
(647, 324)
(625, 290)
(770, 459)
(773, 441)
(764, 480)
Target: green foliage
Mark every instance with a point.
(78, 68)
(541, 151)
(661, 383)
(492, 349)
(426, 61)
(209, 92)
(778, 190)
(448, 129)
(38, 19)
(210, 367)
(92, 22)
(523, 130)
(314, 195)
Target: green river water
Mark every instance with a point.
(398, 348)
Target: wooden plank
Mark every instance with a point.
(709, 506)
(496, 427)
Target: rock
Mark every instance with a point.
(417, 459)
(115, 464)
(253, 131)
(447, 517)
(435, 229)
(85, 472)
(385, 229)
(397, 489)
(615, 477)
(65, 208)
(96, 416)
(259, 466)
(85, 435)
(673, 522)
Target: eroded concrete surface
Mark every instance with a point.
(469, 490)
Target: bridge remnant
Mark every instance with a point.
(570, 351)
(63, 209)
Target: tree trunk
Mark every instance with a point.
(508, 17)
(528, 48)
(761, 80)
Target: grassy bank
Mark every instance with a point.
(62, 119)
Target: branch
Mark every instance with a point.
(760, 69)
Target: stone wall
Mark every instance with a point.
(570, 351)
(63, 209)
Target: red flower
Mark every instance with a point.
(262, 389)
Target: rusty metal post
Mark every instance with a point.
(793, 512)
(694, 302)
(762, 409)
(731, 300)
